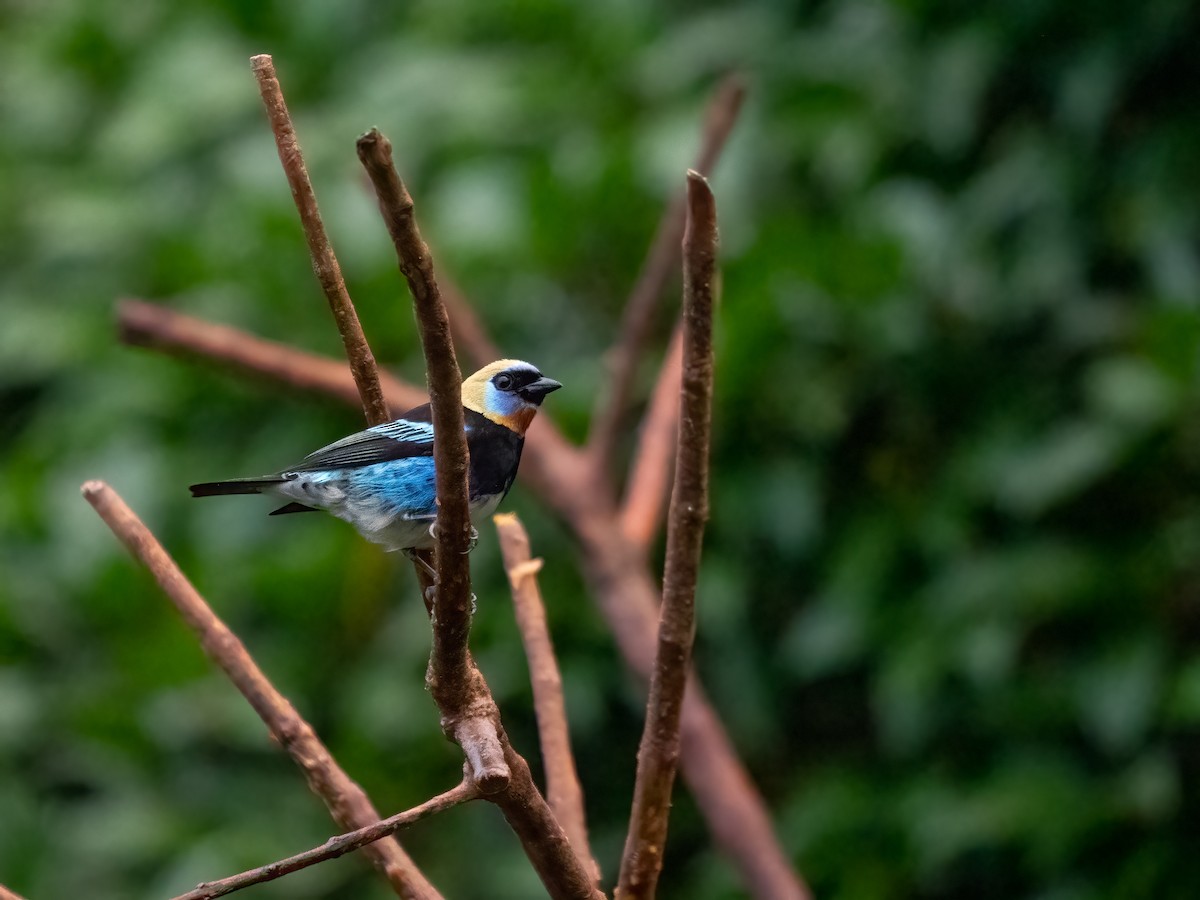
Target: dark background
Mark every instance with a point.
(950, 604)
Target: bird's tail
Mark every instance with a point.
(235, 486)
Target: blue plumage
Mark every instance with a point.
(382, 480)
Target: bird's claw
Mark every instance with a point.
(471, 541)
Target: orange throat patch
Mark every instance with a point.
(517, 422)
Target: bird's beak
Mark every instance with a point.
(536, 390)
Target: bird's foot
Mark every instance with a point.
(471, 541)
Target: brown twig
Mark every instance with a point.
(9, 894)
(660, 264)
(658, 755)
(150, 325)
(335, 846)
(563, 791)
(142, 324)
(469, 712)
(650, 473)
(325, 264)
(346, 801)
(449, 678)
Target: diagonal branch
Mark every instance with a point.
(658, 755)
(563, 792)
(660, 264)
(9, 894)
(346, 801)
(450, 679)
(325, 264)
(155, 327)
(650, 473)
(335, 846)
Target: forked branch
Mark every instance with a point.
(658, 755)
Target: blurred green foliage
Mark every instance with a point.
(951, 600)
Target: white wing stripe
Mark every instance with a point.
(404, 430)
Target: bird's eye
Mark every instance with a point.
(503, 381)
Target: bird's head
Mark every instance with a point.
(508, 392)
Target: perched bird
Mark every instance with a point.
(381, 480)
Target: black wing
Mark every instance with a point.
(404, 438)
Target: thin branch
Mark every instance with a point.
(650, 473)
(449, 678)
(335, 846)
(563, 791)
(453, 608)
(660, 264)
(9, 894)
(346, 801)
(658, 755)
(325, 264)
(157, 327)
(469, 712)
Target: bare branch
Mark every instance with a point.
(346, 801)
(563, 791)
(658, 756)
(650, 473)
(9, 894)
(325, 264)
(660, 264)
(156, 327)
(453, 608)
(450, 679)
(335, 846)
(469, 712)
